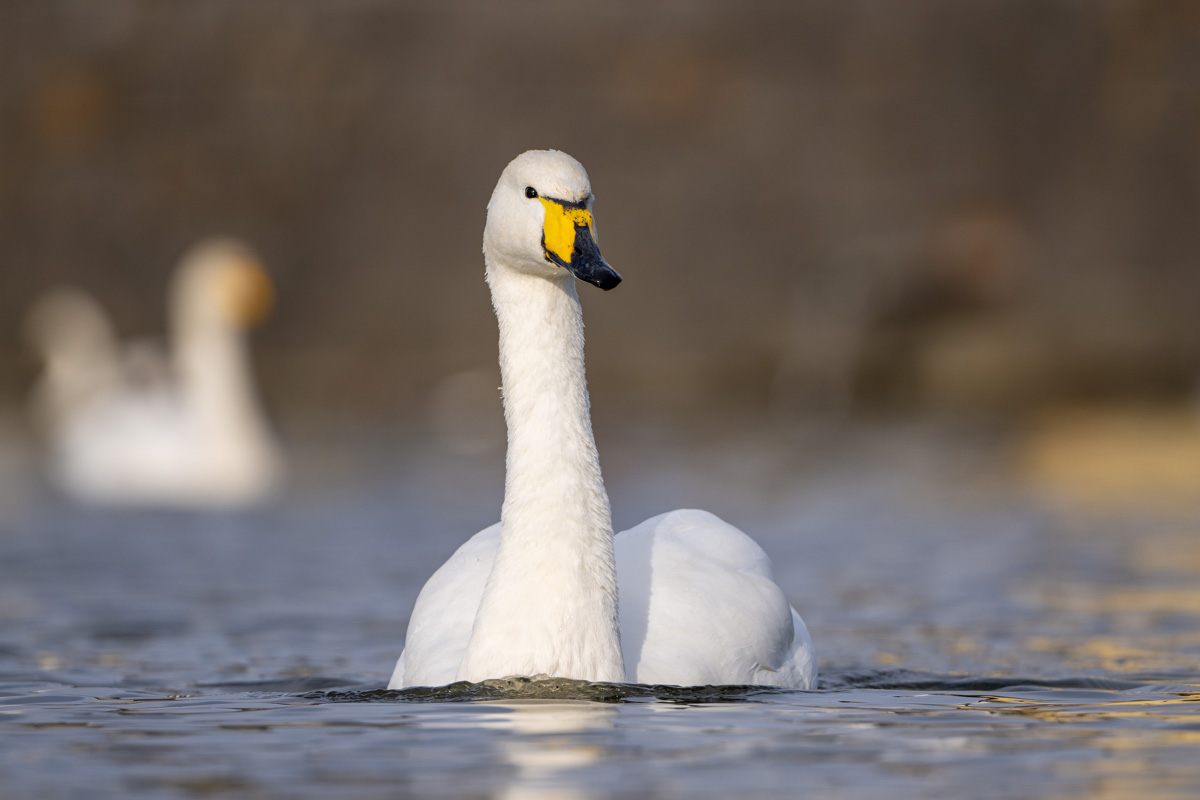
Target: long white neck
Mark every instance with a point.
(215, 373)
(550, 605)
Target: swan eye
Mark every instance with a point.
(530, 192)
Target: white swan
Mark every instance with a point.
(142, 427)
(682, 599)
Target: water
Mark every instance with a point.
(975, 640)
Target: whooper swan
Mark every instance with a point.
(138, 426)
(682, 599)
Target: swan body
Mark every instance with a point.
(683, 599)
(698, 607)
(140, 426)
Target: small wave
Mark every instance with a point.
(836, 681)
(547, 689)
(309, 684)
(913, 681)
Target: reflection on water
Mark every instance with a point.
(552, 738)
(880, 736)
(1144, 457)
(973, 642)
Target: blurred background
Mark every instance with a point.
(824, 212)
(911, 294)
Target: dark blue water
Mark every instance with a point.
(975, 638)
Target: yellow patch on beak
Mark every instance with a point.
(247, 292)
(558, 231)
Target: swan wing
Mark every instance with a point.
(442, 618)
(79, 350)
(699, 607)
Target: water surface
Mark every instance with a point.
(975, 638)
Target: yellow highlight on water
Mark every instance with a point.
(559, 228)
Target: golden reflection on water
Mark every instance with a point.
(1135, 761)
(1106, 458)
(1117, 654)
(1130, 778)
(1145, 612)
(1108, 710)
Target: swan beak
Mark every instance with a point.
(248, 292)
(569, 240)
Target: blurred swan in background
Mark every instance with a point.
(140, 426)
(684, 598)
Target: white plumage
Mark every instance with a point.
(143, 426)
(682, 599)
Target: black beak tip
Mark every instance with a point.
(607, 279)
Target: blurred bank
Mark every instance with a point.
(821, 210)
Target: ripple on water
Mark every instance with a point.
(546, 689)
(148, 656)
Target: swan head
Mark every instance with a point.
(222, 281)
(540, 221)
